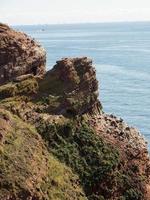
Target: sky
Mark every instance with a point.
(19, 12)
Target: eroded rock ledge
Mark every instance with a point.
(55, 140)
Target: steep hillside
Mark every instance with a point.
(57, 143)
(27, 169)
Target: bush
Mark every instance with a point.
(133, 194)
(99, 166)
(85, 152)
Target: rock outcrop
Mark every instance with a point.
(55, 140)
(19, 55)
(77, 86)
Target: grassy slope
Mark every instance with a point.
(27, 169)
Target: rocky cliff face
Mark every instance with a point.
(19, 55)
(77, 87)
(55, 140)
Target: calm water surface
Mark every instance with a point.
(121, 55)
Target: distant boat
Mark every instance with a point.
(41, 30)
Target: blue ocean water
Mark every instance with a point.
(121, 55)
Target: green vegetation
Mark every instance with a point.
(7, 90)
(28, 170)
(26, 87)
(82, 150)
(133, 194)
(96, 162)
(132, 185)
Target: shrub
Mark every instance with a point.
(133, 194)
(85, 152)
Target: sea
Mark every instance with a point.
(121, 56)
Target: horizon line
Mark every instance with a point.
(78, 23)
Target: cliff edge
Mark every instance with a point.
(56, 142)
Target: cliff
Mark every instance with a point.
(55, 140)
(19, 55)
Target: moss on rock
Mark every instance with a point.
(25, 87)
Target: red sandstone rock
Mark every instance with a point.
(19, 55)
